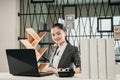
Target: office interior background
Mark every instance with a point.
(93, 19)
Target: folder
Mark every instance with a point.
(102, 67)
(110, 59)
(84, 48)
(93, 59)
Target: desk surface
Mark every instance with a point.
(7, 76)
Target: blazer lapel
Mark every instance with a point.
(54, 52)
(63, 57)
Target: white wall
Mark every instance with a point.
(9, 29)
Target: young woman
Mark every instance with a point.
(65, 55)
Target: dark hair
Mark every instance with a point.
(61, 26)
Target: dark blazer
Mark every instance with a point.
(70, 55)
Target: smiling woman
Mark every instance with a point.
(65, 55)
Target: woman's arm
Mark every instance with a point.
(77, 61)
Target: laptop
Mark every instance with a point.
(23, 62)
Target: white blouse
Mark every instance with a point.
(58, 55)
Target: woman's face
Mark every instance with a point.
(58, 35)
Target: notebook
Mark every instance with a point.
(23, 62)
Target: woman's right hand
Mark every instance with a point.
(50, 69)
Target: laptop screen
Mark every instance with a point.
(22, 61)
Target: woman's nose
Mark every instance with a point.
(55, 37)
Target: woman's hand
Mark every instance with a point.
(55, 70)
(51, 69)
(77, 70)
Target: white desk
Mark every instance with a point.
(7, 76)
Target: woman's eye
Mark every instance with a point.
(58, 33)
(53, 34)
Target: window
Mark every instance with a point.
(86, 27)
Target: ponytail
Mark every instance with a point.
(66, 39)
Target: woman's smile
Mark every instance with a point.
(57, 39)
